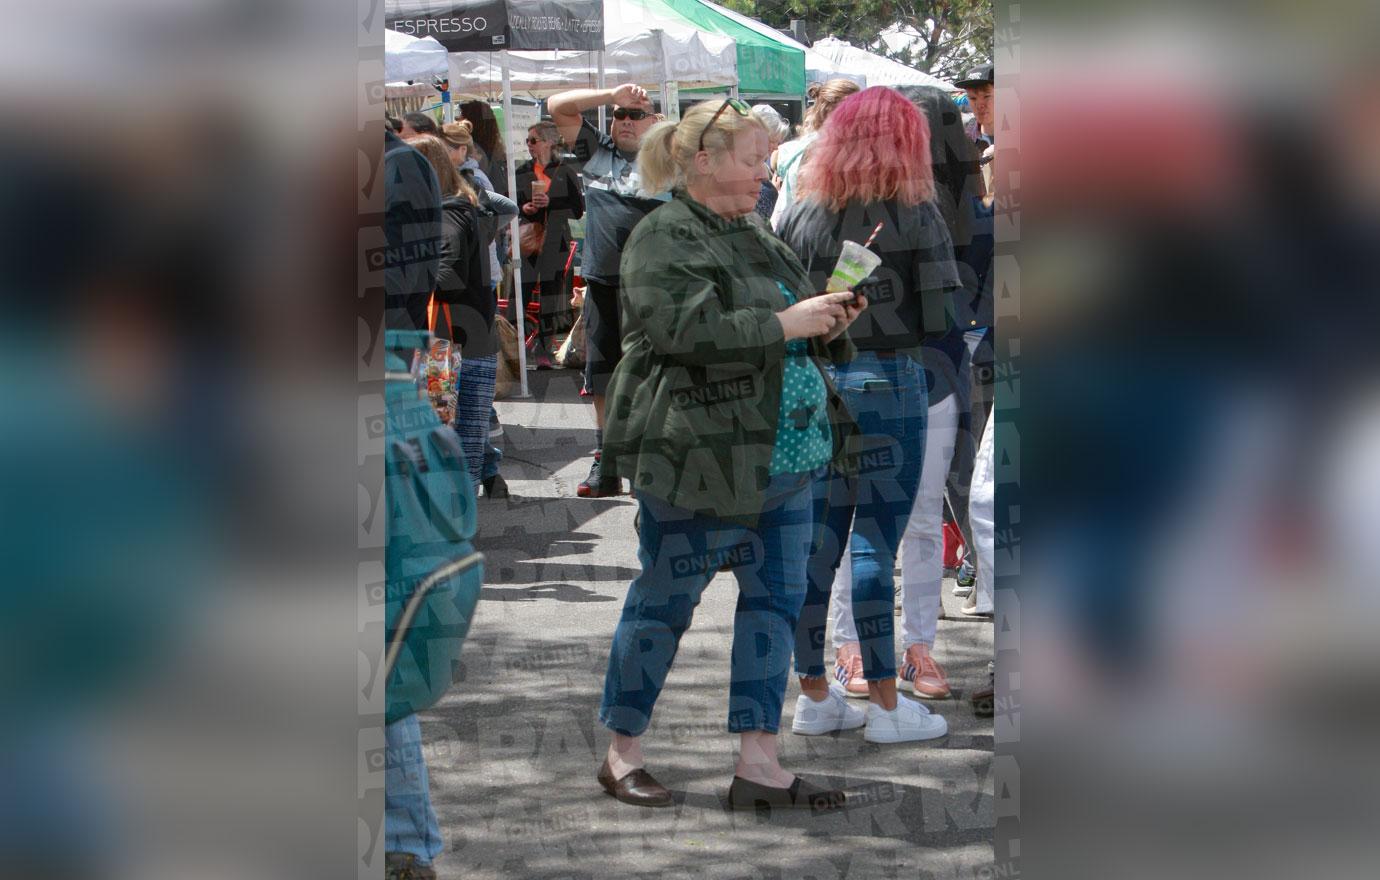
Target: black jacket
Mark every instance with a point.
(911, 296)
(567, 203)
(412, 227)
(460, 282)
(958, 194)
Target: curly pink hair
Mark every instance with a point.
(874, 146)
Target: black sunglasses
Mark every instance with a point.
(741, 107)
(634, 115)
(534, 140)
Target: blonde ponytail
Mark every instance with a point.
(655, 162)
(825, 98)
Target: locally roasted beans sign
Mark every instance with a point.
(492, 25)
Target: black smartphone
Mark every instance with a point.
(864, 288)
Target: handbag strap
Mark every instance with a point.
(431, 314)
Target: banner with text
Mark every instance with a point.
(492, 25)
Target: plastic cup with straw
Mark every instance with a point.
(855, 263)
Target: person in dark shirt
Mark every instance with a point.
(979, 84)
(412, 228)
(548, 194)
(869, 179)
(616, 203)
(469, 304)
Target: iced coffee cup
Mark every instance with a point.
(855, 263)
(539, 187)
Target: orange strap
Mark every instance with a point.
(431, 314)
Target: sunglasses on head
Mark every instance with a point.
(634, 115)
(740, 107)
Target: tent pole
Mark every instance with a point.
(602, 85)
(519, 311)
(665, 75)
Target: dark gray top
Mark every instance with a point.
(613, 205)
(911, 294)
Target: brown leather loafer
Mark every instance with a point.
(801, 795)
(638, 788)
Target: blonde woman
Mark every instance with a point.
(790, 157)
(721, 418)
(461, 286)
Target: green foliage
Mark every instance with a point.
(952, 35)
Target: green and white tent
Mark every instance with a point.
(769, 63)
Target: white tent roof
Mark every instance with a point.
(878, 70)
(636, 41)
(818, 66)
(694, 59)
(409, 58)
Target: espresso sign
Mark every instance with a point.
(492, 25)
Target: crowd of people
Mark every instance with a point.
(811, 436)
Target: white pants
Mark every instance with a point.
(922, 543)
(981, 514)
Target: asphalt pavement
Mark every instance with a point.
(514, 747)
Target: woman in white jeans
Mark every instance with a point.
(982, 515)
(921, 554)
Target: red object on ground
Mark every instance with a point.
(954, 548)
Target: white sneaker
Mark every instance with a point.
(908, 722)
(975, 608)
(831, 714)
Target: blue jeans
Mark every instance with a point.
(887, 398)
(409, 822)
(680, 552)
(473, 407)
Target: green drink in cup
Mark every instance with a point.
(855, 263)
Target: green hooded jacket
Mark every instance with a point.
(692, 407)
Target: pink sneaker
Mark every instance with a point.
(922, 676)
(848, 669)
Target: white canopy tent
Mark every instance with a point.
(640, 45)
(649, 58)
(410, 58)
(879, 71)
(647, 47)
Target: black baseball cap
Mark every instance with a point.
(976, 77)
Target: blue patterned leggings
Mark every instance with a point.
(473, 406)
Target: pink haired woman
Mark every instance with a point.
(870, 170)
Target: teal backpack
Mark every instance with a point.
(434, 573)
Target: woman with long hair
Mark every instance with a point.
(488, 150)
(460, 286)
(868, 178)
(495, 210)
(720, 416)
(549, 196)
(824, 98)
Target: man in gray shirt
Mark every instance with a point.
(613, 206)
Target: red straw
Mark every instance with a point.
(873, 237)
